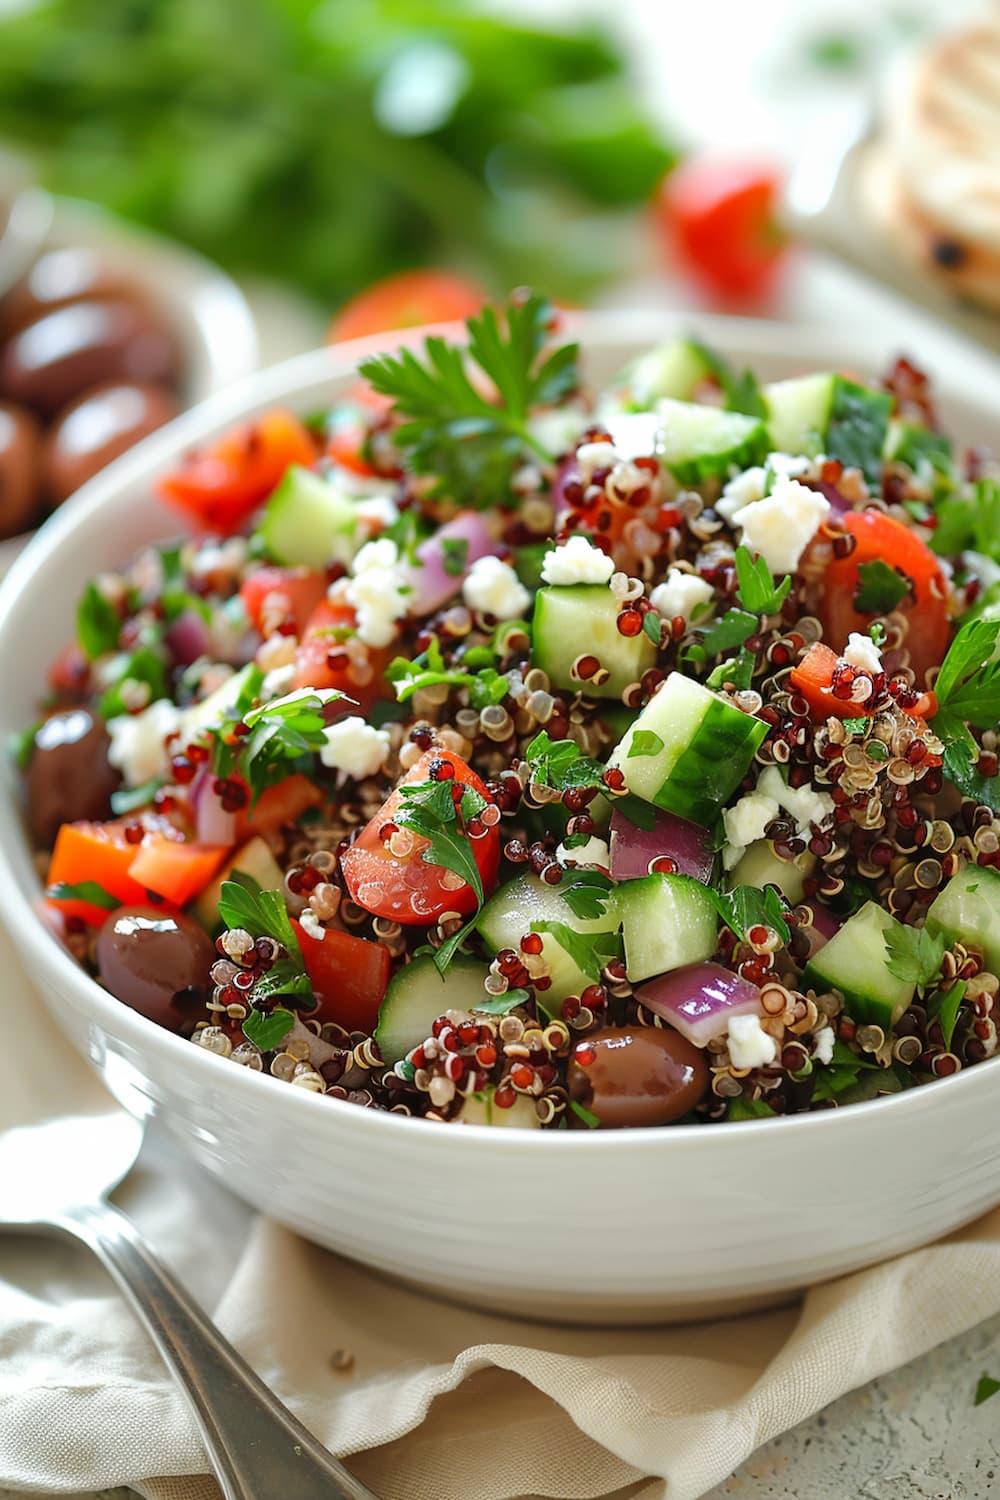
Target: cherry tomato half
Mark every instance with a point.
(331, 656)
(221, 485)
(881, 538)
(718, 221)
(349, 976)
(399, 884)
(407, 300)
(293, 593)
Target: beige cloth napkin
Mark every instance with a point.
(440, 1403)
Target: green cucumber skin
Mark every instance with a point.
(967, 911)
(578, 619)
(668, 921)
(417, 995)
(740, 442)
(698, 783)
(308, 522)
(877, 998)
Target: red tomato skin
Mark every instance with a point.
(349, 976)
(718, 220)
(407, 300)
(882, 538)
(301, 589)
(220, 486)
(812, 677)
(408, 889)
(312, 659)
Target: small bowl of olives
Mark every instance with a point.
(106, 333)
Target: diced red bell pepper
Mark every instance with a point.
(175, 870)
(288, 594)
(97, 852)
(349, 976)
(221, 485)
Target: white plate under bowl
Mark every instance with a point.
(210, 317)
(631, 1226)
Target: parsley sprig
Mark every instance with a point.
(757, 589)
(968, 693)
(431, 809)
(282, 733)
(261, 913)
(746, 906)
(471, 442)
(880, 587)
(486, 685)
(913, 953)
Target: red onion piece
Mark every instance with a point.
(634, 851)
(187, 637)
(567, 472)
(839, 504)
(700, 1000)
(213, 825)
(429, 579)
(824, 925)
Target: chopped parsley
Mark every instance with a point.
(587, 1116)
(283, 736)
(746, 906)
(455, 553)
(590, 951)
(486, 685)
(913, 953)
(737, 670)
(84, 890)
(586, 893)
(561, 764)
(500, 1005)
(968, 692)
(986, 1387)
(943, 1008)
(97, 623)
(267, 1029)
(880, 588)
(757, 590)
(242, 904)
(429, 808)
(644, 742)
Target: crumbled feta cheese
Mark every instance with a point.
(377, 591)
(493, 588)
(742, 489)
(680, 594)
(576, 561)
(805, 804)
(311, 925)
(137, 746)
(558, 428)
(749, 1044)
(594, 852)
(591, 456)
(780, 527)
(634, 434)
(279, 680)
(380, 509)
(354, 747)
(824, 1045)
(862, 652)
(745, 823)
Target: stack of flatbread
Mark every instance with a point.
(934, 177)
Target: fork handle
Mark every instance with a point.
(257, 1448)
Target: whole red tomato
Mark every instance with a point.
(718, 221)
(407, 300)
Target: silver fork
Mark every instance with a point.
(55, 1177)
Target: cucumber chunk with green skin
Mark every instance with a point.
(855, 962)
(831, 415)
(482, 1109)
(255, 859)
(919, 448)
(511, 914)
(703, 442)
(580, 620)
(673, 369)
(418, 994)
(967, 911)
(667, 921)
(309, 520)
(688, 750)
(760, 866)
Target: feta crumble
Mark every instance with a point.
(311, 925)
(862, 652)
(749, 1044)
(680, 594)
(746, 822)
(594, 852)
(278, 681)
(576, 561)
(781, 526)
(751, 484)
(354, 747)
(804, 803)
(137, 746)
(493, 588)
(824, 1045)
(377, 591)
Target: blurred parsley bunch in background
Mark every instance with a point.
(330, 142)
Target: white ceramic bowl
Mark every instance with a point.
(635, 1226)
(212, 322)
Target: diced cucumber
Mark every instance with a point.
(255, 859)
(667, 921)
(688, 750)
(418, 994)
(479, 1109)
(580, 620)
(216, 707)
(310, 520)
(831, 415)
(703, 442)
(760, 866)
(927, 453)
(510, 915)
(855, 962)
(967, 911)
(673, 369)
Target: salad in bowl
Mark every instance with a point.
(496, 751)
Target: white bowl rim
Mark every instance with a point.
(283, 380)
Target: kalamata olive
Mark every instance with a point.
(157, 962)
(51, 362)
(641, 1075)
(96, 428)
(69, 775)
(62, 276)
(20, 449)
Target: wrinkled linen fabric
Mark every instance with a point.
(440, 1402)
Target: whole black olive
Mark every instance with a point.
(69, 775)
(157, 962)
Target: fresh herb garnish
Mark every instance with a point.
(856, 726)
(127, 799)
(986, 1387)
(429, 808)
(968, 692)
(21, 745)
(652, 626)
(737, 670)
(586, 893)
(445, 952)
(742, 392)
(969, 521)
(266, 1029)
(746, 906)
(913, 953)
(145, 666)
(561, 764)
(472, 443)
(644, 742)
(735, 627)
(757, 590)
(486, 685)
(589, 1119)
(97, 623)
(282, 732)
(590, 951)
(880, 588)
(637, 810)
(500, 1005)
(454, 555)
(260, 913)
(748, 1109)
(943, 1008)
(84, 890)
